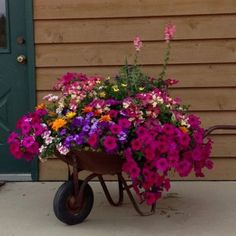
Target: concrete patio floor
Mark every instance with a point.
(189, 209)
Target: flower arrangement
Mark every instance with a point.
(131, 115)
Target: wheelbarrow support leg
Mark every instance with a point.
(107, 193)
(136, 207)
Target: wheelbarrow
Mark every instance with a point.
(74, 199)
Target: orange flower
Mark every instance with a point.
(40, 106)
(105, 118)
(97, 112)
(184, 129)
(87, 109)
(58, 123)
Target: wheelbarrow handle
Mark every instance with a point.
(215, 127)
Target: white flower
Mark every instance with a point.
(53, 98)
(42, 149)
(46, 134)
(48, 140)
(62, 149)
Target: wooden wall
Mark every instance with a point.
(93, 36)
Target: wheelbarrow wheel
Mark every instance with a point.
(65, 207)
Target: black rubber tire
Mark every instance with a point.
(61, 206)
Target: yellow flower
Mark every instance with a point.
(141, 88)
(124, 85)
(70, 115)
(102, 94)
(115, 88)
(58, 123)
(184, 129)
(40, 106)
(105, 118)
(108, 78)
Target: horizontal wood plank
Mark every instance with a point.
(113, 30)
(200, 99)
(61, 9)
(183, 52)
(225, 169)
(189, 76)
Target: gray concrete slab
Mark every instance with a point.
(189, 209)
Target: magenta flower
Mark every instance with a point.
(12, 137)
(168, 129)
(141, 131)
(92, 140)
(15, 150)
(173, 160)
(138, 43)
(115, 129)
(169, 32)
(209, 164)
(38, 129)
(113, 113)
(124, 123)
(134, 170)
(151, 198)
(194, 121)
(25, 127)
(27, 141)
(184, 168)
(149, 153)
(33, 149)
(184, 139)
(136, 144)
(162, 164)
(110, 143)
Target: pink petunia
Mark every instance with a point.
(141, 131)
(124, 123)
(150, 198)
(134, 170)
(184, 168)
(173, 160)
(168, 129)
(12, 137)
(149, 153)
(33, 149)
(15, 150)
(169, 32)
(194, 121)
(137, 43)
(184, 139)
(115, 129)
(113, 113)
(27, 141)
(162, 164)
(110, 143)
(92, 140)
(209, 164)
(38, 129)
(136, 144)
(25, 127)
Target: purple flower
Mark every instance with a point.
(122, 136)
(63, 132)
(78, 139)
(78, 121)
(86, 128)
(68, 141)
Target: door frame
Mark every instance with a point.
(29, 24)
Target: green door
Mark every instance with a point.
(16, 80)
